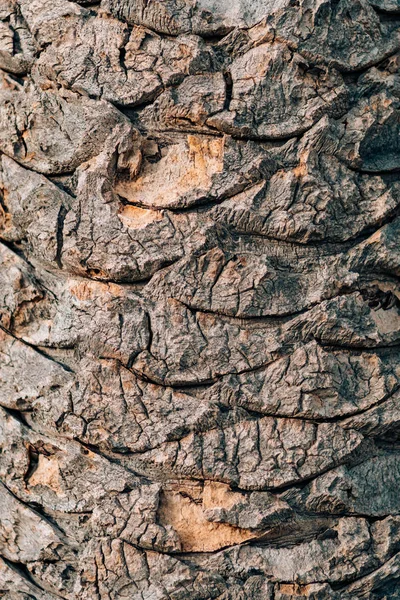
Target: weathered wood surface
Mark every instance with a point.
(199, 299)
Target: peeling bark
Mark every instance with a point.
(199, 299)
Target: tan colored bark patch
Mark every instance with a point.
(89, 290)
(185, 167)
(138, 218)
(293, 588)
(218, 495)
(183, 510)
(47, 473)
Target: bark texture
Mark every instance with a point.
(199, 298)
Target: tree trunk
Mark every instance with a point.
(200, 303)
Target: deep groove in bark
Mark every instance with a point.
(199, 299)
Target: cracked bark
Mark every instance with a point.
(199, 299)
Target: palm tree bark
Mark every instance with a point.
(199, 300)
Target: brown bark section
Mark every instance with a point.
(199, 299)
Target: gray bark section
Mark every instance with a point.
(199, 300)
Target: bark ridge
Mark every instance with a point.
(199, 299)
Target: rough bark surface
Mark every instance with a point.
(199, 299)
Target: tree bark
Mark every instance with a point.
(200, 303)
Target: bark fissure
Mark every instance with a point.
(199, 299)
